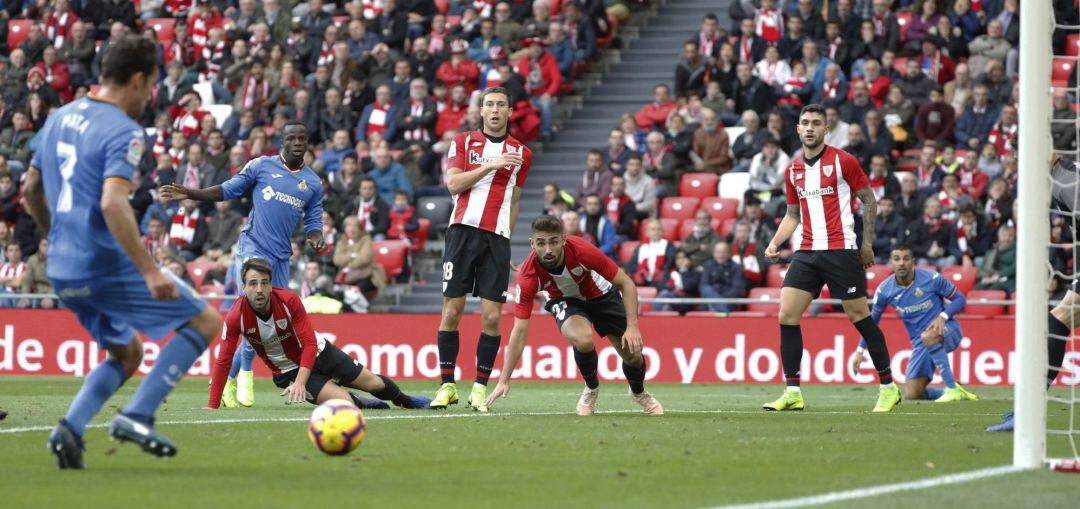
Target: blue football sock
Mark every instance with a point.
(247, 357)
(932, 393)
(941, 361)
(96, 389)
(172, 363)
(236, 360)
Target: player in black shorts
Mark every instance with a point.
(486, 171)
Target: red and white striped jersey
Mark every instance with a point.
(12, 271)
(825, 191)
(487, 204)
(285, 340)
(586, 274)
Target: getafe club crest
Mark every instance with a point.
(918, 292)
(303, 185)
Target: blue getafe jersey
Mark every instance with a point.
(82, 145)
(279, 197)
(918, 304)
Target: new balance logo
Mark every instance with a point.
(851, 289)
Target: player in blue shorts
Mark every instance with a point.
(919, 297)
(77, 189)
(283, 191)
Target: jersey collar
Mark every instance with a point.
(286, 165)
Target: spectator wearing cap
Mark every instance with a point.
(581, 31)
(936, 65)
(415, 118)
(35, 83)
(935, 120)
(480, 46)
(654, 115)
(542, 80)
(711, 145)
(562, 49)
(378, 117)
(459, 70)
(489, 72)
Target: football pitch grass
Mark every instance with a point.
(714, 446)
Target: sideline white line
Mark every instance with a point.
(855, 494)
(433, 415)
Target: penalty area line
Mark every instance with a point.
(873, 491)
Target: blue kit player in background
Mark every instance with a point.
(919, 297)
(283, 191)
(77, 190)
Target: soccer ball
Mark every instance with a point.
(336, 427)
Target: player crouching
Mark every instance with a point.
(308, 368)
(580, 282)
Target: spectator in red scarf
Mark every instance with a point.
(653, 259)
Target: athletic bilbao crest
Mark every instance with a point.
(282, 323)
(827, 169)
(577, 271)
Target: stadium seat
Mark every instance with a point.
(734, 185)
(206, 93)
(164, 27)
(212, 290)
(670, 227)
(1072, 45)
(963, 278)
(18, 30)
(698, 185)
(721, 208)
(687, 227)
(220, 112)
(1062, 68)
(626, 251)
(983, 296)
(391, 254)
(726, 226)
(876, 275)
(437, 210)
(443, 6)
(774, 278)
(733, 133)
(764, 294)
(646, 292)
(418, 238)
(197, 271)
(679, 207)
(605, 42)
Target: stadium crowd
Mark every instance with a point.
(685, 195)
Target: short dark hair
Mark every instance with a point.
(350, 155)
(902, 247)
(711, 17)
(547, 224)
(496, 90)
(596, 152)
(886, 197)
(812, 108)
(259, 265)
(127, 56)
(633, 156)
(292, 123)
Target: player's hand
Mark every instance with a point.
(937, 326)
(502, 389)
(855, 361)
(772, 253)
(172, 192)
(161, 287)
(507, 159)
(295, 393)
(866, 254)
(631, 340)
(317, 242)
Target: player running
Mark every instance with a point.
(308, 368)
(580, 282)
(919, 295)
(1065, 317)
(77, 189)
(283, 191)
(487, 169)
(821, 183)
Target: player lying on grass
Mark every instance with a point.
(919, 297)
(275, 324)
(580, 282)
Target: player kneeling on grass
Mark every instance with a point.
(580, 282)
(275, 324)
(918, 296)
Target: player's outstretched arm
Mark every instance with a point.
(120, 219)
(632, 337)
(173, 192)
(35, 199)
(511, 356)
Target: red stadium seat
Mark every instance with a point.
(903, 18)
(721, 208)
(764, 294)
(453, 21)
(418, 238)
(626, 251)
(670, 227)
(646, 292)
(340, 20)
(1062, 69)
(687, 227)
(605, 42)
(678, 207)
(963, 278)
(726, 226)
(982, 296)
(197, 271)
(442, 5)
(212, 290)
(1072, 45)
(876, 275)
(392, 255)
(775, 277)
(18, 30)
(698, 185)
(164, 28)
(899, 63)
(930, 268)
